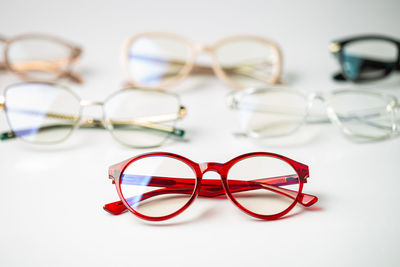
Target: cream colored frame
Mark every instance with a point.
(67, 73)
(195, 49)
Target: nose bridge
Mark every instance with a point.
(85, 103)
(90, 117)
(210, 166)
(203, 48)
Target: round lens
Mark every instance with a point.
(270, 113)
(264, 185)
(157, 186)
(38, 58)
(363, 114)
(155, 60)
(41, 113)
(249, 62)
(142, 118)
(369, 59)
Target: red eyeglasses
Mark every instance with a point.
(158, 186)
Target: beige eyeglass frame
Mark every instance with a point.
(195, 49)
(52, 67)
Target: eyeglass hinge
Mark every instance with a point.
(76, 52)
(182, 112)
(334, 47)
(111, 177)
(2, 103)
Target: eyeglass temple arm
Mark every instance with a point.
(213, 188)
(54, 66)
(367, 64)
(210, 188)
(146, 122)
(241, 69)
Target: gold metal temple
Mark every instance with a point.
(151, 122)
(2, 103)
(182, 112)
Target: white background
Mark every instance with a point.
(51, 197)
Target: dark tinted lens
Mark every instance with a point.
(368, 59)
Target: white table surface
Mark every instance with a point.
(51, 198)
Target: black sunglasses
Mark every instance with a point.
(366, 57)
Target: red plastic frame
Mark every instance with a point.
(211, 188)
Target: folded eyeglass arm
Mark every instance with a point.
(245, 69)
(3, 65)
(209, 188)
(151, 122)
(367, 64)
(52, 66)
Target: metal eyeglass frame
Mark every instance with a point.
(152, 122)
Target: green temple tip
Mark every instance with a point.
(7, 135)
(179, 132)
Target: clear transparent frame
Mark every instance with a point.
(234, 99)
(66, 73)
(103, 123)
(195, 50)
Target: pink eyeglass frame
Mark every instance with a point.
(207, 188)
(75, 53)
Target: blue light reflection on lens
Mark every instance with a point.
(140, 180)
(352, 65)
(27, 106)
(146, 62)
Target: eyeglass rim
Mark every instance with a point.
(336, 47)
(116, 171)
(75, 54)
(391, 103)
(109, 127)
(58, 87)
